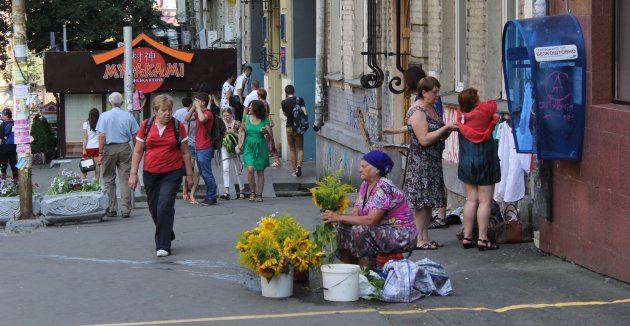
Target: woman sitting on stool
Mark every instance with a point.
(380, 222)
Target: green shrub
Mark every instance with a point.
(44, 140)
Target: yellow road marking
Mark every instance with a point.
(382, 312)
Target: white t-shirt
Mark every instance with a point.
(225, 102)
(250, 97)
(92, 136)
(180, 115)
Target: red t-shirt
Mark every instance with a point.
(479, 123)
(161, 153)
(203, 138)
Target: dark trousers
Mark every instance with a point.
(8, 157)
(161, 189)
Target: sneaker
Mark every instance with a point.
(111, 214)
(162, 253)
(298, 172)
(125, 215)
(294, 174)
(209, 202)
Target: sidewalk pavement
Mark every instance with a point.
(107, 272)
(281, 176)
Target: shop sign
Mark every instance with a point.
(556, 53)
(149, 70)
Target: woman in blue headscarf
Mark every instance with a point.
(380, 221)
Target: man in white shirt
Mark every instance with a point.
(180, 114)
(253, 95)
(241, 86)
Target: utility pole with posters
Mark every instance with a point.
(21, 110)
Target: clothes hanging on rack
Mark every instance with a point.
(511, 188)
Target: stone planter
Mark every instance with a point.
(10, 207)
(74, 207)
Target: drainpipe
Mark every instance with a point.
(320, 57)
(239, 44)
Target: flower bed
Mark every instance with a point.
(72, 199)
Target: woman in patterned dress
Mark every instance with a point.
(380, 222)
(424, 183)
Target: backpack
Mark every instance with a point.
(217, 132)
(7, 138)
(229, 143)
(300, 120)
(150, 123)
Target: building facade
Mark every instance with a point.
(459, 42)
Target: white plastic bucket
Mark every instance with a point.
(280, 286)
(340, 282)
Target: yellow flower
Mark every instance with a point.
(303, 245)
(268, 224)
(344, 203)
(314, 196)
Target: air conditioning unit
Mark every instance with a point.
(212, 37)
(203, 39)
(228, 33)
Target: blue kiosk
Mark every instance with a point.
(545, 73)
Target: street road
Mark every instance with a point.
(107, 274)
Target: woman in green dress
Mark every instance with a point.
(252, 145)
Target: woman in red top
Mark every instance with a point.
(165, 158)
(478, 165)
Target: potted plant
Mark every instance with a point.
(9, 200)
(72, 199)
(273, 248)
(329, 194)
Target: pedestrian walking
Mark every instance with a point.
(161, 140)
(254, 149)
(229, 155)
(253, 95)
(203, 144)
(190, 190)
(478, 166)
(90, 142)
(8, 149)
(227, 91)
(271, 144)
(116, 129)
(295, 140)
(138, 100)
(180, 114)
(241, 86)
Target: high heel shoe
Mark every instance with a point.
(252, 196)
(471, 243)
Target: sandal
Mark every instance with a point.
(471, 243)
(275, 165)
(436, 244)
(225, 196)
(438, 223)
(252, 196)
(241, 196)
(426, 246)
(487, 245)
(259, 199)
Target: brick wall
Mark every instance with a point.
(591, 198)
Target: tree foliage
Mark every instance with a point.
(5, 28)
(89, 23)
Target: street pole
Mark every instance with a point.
(127, 36)
(21, 111)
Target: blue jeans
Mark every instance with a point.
(204, 161)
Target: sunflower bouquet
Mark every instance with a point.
(275, 244)
(329, 194)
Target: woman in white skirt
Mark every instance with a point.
(229, 155)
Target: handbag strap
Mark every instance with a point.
(511, 211)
